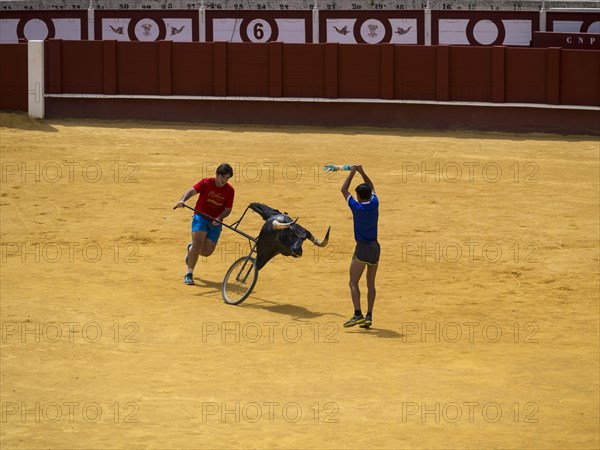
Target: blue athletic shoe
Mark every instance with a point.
(188, 253)
(188, 279)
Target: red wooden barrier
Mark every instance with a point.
(303, 70)
(165, 85)
(579, 75)
(220, 69)
(470, 76)
(498, 74)
(13, 77)
(442, 66)
(331, 70)
(247, 70)
(109, 57)
(137, 68)
(525, 80)
(415, 72)
(443, 73)
(81, 67)
(387, 71)
(359, 71)
(275, 56)
(192, 70)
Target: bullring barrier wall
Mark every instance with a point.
(490, 88)
(428, 64)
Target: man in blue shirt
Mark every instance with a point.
(365, 212)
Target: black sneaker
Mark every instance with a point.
(355, 320)
(188, 253)
(368, 322)
(188, 279)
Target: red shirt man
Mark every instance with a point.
(213, 199)
(216, 201)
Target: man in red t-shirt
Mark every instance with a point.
(216, 201)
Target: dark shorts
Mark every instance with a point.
(367, 252)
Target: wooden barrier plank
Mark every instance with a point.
(220, 69)
(387, 71)
(498, 79)
(54, 59)
(164, 68)
(331, 70)
(110, 67)
(553, 76)
(442, 73)
(275, 68)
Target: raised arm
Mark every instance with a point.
(365, 177)
(346, 186)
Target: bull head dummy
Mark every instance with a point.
(280, 234)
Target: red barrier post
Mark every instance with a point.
(387, 71)
(220, 69)
(331, 70)
(164, 68)
(442, 72)
(498, 81)
(110, 67)
(275, 68)
(553, 76)
(54, 66)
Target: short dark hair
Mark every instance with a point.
(364, 191)
(225, 169)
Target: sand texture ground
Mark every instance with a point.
(486, 325)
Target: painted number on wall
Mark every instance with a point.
(259, 31)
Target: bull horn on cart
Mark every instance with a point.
(282, 225)
(316, 241)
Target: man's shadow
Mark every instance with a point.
(379, 332)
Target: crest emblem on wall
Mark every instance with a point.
(372, 30)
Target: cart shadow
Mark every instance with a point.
(216, 285)
(254, 302)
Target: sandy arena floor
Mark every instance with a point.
(486, 325)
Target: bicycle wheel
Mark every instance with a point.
(239, 280)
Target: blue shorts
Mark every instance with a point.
(199, 223)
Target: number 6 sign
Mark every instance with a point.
(259, 30)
